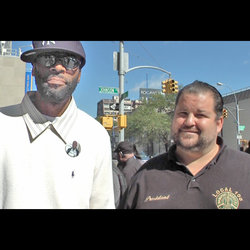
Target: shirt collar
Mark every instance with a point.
(37, 123)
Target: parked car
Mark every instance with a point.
(144, 157)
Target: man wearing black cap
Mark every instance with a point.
(36, 170)
(128, 158)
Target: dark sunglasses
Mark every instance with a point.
(70, 62)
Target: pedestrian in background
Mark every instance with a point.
(199, 170)
(248, 148)
(129, 160)
(120, 183)
(38, 169)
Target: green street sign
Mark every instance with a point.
(124, 95)
(242, 127)
(108, 90)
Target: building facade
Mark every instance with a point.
(229, 131)
(12, 75)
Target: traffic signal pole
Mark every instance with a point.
(121, 72)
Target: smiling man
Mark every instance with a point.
(37, 168)
(197, 122)
(199, 171)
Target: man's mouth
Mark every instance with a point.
(189, 131)
(56, 81)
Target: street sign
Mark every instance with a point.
(124, 95)
(114, 106)
(242, 127)
(146, 92)
(239, 137)
(108, 90)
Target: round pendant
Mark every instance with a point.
(73, 149)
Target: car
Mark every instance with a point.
(143, 156)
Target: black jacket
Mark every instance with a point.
(130, 167)
(119, 182)
(164, 183)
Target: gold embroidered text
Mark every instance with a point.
(157, 198)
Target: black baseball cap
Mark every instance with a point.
(125, 147)
(72, 47)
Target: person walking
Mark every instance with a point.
(248, 148)
(120, 183)
(128, 158)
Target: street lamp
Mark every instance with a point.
(237, 112)
(122, 70)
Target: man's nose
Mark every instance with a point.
(190, 120)
(58, 68)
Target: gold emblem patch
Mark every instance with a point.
(227, 199)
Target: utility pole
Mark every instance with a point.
(121, 73)
(147, 88)
(121, 65)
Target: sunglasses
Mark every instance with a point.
(70, 62)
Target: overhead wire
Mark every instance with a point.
(149, 53)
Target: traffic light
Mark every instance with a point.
(122, 121)
(224, 113)
(173, 86)
(107, 122)
(170, 86)
(164, 86)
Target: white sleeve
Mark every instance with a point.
(102, 195)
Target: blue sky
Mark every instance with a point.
(210, 61)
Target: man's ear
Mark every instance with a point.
(33, 69)
(220, 123)
(121, 154)
(79, 76)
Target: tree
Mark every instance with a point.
(151, 121)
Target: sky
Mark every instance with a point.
(227, 62)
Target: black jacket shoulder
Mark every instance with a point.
(159, 162)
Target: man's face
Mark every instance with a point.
(55, 84)
(195, 127)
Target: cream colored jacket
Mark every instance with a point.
(35, 170)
